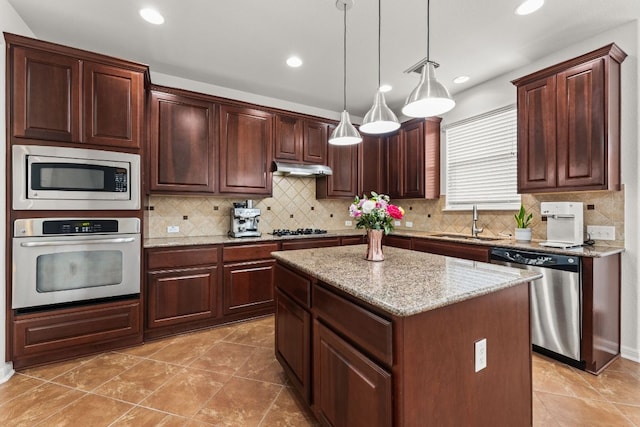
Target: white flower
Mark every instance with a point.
(368, 206)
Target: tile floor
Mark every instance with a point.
(228, 376)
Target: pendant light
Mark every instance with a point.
(379, 119)
(345, 133)
(430, 98)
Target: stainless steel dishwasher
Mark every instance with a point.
(556, 300)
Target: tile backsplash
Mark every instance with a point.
(293, 205)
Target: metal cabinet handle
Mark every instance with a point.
(77, 242)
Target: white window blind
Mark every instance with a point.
(481, 162)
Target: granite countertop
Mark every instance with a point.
(159, 242)
(406, 282)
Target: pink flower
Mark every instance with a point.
(395, 212)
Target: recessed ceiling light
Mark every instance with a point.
(461, 79)
(529, 6)
(385, 88)
(152, 16)
(294, 62)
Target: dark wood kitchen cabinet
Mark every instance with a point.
(413, 160)
(246, 146)
(453, 249)
(343, 183)
(372, 165)
(182, 289)
(569, 124)
(248, 283)
(300, 140)
(182, 142)
(53, 335)
(69, 95)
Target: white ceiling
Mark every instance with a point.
(243, 44)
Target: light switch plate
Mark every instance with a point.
(348, 223)
(173, 229)
(409, 224)
(481, 354)
(601, 232)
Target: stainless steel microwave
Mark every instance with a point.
(62, 178)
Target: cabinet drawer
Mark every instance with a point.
(368, 330)
(311, 243)
(352, 240)
(248, 252)
(458, 250)
(183, 257)
(397, 242)
(292, 284)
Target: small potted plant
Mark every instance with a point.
(523, 232)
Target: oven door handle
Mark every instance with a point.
(76, 242)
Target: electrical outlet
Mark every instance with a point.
(348, 223)
(173, 229)
(409, 224)
(481, 354)
(601, 232)
(397, 223)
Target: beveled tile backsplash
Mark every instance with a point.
(293, 205)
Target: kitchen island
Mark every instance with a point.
(400, 342)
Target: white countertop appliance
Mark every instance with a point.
(244, 220)
(564, 224)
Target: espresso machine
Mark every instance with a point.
(564, 224)
(244, 220)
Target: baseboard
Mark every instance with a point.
(630, 353)
(6, 372)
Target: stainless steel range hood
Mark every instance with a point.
(299, 169)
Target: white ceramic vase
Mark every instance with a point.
(523, 234)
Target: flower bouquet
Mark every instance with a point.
(375, 214)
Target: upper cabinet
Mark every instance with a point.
(569, 124)
(182, 142)
(372, 165)
(413, 160)
(246, 144)
(343, 183)
(69, 95)
(300, 140)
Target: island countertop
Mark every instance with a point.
(406, 282)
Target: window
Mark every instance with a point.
(481, 162)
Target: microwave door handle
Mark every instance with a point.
(76, 242)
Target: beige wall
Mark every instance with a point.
(294, 205)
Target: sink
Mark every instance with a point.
(467, 237)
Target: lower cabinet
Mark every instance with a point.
(72, 332)
(397, 241)
(350, 389)
(453, 249)
(182, 288)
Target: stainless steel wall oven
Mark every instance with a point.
(62, 260)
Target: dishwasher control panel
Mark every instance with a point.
(539, 259)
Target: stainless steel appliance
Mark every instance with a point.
(564, 224)
(61, 260)
(244, 220)
(556, 300)
(63, 178)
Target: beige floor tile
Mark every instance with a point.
(224, 357)
(256, 333)
(90, 410)
(553, 377)
(186, 392)
(288, 411)
(138, 382)
(625, 365)
(145, 417)
(616, 386)
(37, 405)
(573, 411)
(541, 416)
(631, 412)
(263, 366)
(240, 402)
(146, 349)
(97, 371)
(53, 370)
(16, 386)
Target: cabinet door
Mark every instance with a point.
(182, 144)
(349, 388)
(394, 165)
(248, 286)
(45, 95)
(413, 160)
(314, 148)
(246, 138)
(288, 138)
(372, 166)
(537, 135)
(113, 105)
(457, 250)
(343, 160)
(180, 296)
(293, 342)
(581, 136)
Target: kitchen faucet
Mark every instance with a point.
(474, 229)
